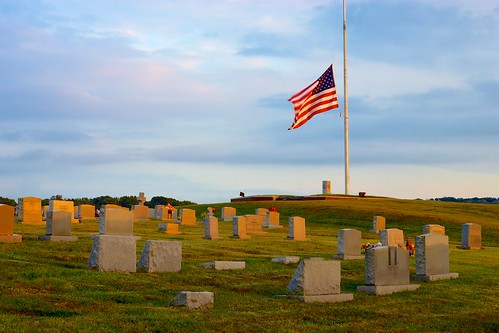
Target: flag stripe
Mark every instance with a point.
(318, 97)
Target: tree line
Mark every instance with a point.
(124, 201)
(486, 200)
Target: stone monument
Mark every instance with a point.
(471, 237)
(349, 244)
(432, 258)
(379, 223)
(296, 229)
(7, 225)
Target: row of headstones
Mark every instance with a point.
(471, 234)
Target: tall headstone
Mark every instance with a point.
(239, 227)
(58, 227)
(326, 187)
(379, 223)
(228, 213)
(471, 237)
(296, 229)
(63, 205)
(210, 228)
(392, 237)
(317, 280)
(187, 216)
(30, 210)
(86, 212)
(272, 220)
(7, 225)
(116, 221)
(158, 212)
(349, 244)
(432, 258)
(160, 256)
(386, 271)
(433, 229)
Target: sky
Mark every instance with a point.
(189, 99)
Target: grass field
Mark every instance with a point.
(46, 286)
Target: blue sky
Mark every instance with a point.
(188, 99)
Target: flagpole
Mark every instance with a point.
(345, 101)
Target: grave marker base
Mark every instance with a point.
(387, 290)
(347, 257)
(470, 248)
(58, 238)
(223, 265)
(194, 300)
(435, 277)
(287, 260)
(240, 237)
(333, 298)
(11, 238)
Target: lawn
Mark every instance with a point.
(46, 286)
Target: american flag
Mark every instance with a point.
(318, 97)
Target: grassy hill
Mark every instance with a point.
(47, 287)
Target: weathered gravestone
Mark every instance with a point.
(386, 271)
(160, 256)
(29, 210)
(272, 220)
(228, 213)
(433, 229)
(239, 227)
(471, 237)
(58, 227)
(7, 225)
(296, 229)
(140, 212)
(112, 253)
(379, 223)
(63, 205)
(432, 258)
(211, 228)
(392, 237)
(317, 280)
(349, 244)
(194, 300)
(187, 216)
(254, 225)
(114, 249)
(86, 212)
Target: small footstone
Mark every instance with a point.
(194, 300)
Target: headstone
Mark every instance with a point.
(228, 213)
(211, 228)
(194, 300)
(158, 212)
(7, 225)
(140, 212)
(432, 258)
(113, 254)
(239, 227)
(169, 228)
(392, 237)
(116, 221)
(141, 198)
(58, 227)
(45, 209)
(211, 211)
(286, 260)
(433, 229)
(254, 225)
(471, 237)
(326, 187)
(63, 205)
(379, 223)
(224, 265)
(152, 213)
(272, 220)
(187, 216)
(160, 256)
(30, 210)
(86, 212)
(317, 280)
(386, 271)
(349, 244)
(296, 229)
(262, 214)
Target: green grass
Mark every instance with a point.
(46, 286)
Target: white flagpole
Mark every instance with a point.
(345, 101)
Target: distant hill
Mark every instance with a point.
(487, 200)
